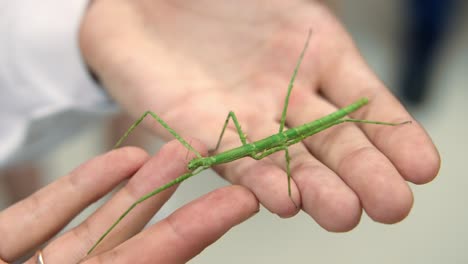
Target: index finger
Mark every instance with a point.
(350, 79)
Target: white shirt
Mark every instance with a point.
(46, 92)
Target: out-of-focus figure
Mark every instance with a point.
(427, 23)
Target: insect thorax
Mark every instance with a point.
(199, 162)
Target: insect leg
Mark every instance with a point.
(373, 122)
(285, 109)
(145, 197)
(242, 135)
(291, 84)
(165, 125)
(260, 156)
(288, 169)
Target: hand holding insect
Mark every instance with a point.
(203, 220)
(212, 60)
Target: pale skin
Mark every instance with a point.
(216, 62)
(194, 62)
(175, 239)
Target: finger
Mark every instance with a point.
(263, 177)
(345, 149)
(168, 164)
(324, 195)
(48, 210)
(352, 79)
(188, 231)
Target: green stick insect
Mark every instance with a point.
(256, 150)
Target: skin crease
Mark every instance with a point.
(175, 239)
(192, 62)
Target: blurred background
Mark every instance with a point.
(420, 50)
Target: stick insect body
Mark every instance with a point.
(256, 150)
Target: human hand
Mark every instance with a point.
(192, 62)
(176, 239)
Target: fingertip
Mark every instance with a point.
(334, 206)
(342, 215)
(410, 149)
(243, 193)
(238, 198)
(289, 208)
(224, 207)
(424, 166)
(130, 153)
(391, 206)
(271, 189)
(384, 194)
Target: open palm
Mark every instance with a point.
(193, 62)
